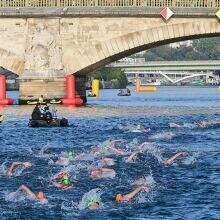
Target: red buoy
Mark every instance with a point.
(3, 99)
(71, 98)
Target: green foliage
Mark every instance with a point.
(115, 78)
(202, 49)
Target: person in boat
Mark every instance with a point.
(47, 114)
(176, 156)
(41, 99)
(38, 196)
(37, 114)
(128, 91)
(62, 180)
(16, 165)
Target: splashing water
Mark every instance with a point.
(93, 195)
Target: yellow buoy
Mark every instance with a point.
(95, 87)
(144, 88)
(148, 88)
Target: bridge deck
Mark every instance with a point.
(169, 65)
(107, 7)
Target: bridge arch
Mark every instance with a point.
(11, 62)
(105, 52)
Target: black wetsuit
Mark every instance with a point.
(36, 114)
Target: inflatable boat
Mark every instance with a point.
(50, 123)
(124, 94)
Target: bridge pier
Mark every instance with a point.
(31, 89)
(53, 88)
(3, 99)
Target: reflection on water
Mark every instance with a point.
(185, 190)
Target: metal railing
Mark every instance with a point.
(111, 3)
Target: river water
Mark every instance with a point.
(188, 189)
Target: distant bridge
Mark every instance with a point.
(198, 65)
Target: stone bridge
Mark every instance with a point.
(43, 41)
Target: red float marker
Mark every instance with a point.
(3, 99)
(71, 98)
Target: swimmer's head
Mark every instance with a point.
(40, 196)
(119, 198)
(95, 150)
(184, 153)
(95, 173)
(66, 180)
(94, 205)
(27, 164)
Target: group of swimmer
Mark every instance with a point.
(63, 180)
(105, 156)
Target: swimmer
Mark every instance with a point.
(62, 180)
(174, 125)
(106, 149)
(133, 157)
(205, 124)
(140, 149)
(16, 165)
(140, 128)
(91, 200)
(102, 173)
(44, 152)
(128, 197)
(172, 159)
(65, 157)
(39, 196)
(107, 161)
(62, 161)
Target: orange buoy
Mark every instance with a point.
(3, 99)
(70, 98)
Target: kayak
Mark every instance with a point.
(53, 123)
(1, 118)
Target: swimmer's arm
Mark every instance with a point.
(118, 151)
(172, 159)
(132, 194)
(132, 157)
(43, 150)
(27, 191)
(12, 167)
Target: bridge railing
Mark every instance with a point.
(111, 3)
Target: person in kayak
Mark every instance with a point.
(16, 165)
